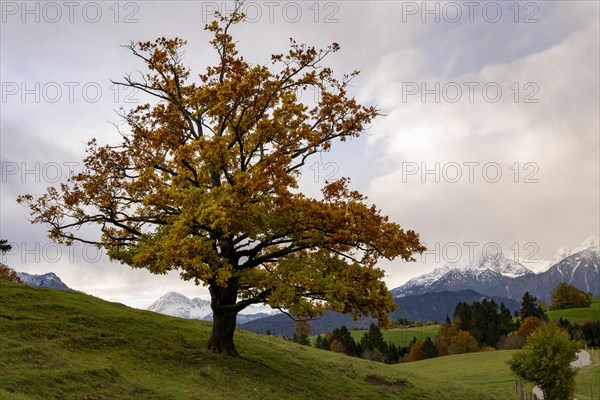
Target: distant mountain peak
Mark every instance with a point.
(177, 305)
(591, 243)
(47, 281)
(493, 260)
(498, 275)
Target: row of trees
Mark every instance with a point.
(485, 321)
(372, 345)
(474, 327)
(588, 331)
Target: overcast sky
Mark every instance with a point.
(490, 139)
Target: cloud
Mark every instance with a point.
(554, 140)
(541, 135)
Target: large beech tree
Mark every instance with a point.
(204, 182)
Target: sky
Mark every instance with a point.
(490, 138)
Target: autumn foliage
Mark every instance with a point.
(205, 182)
(528, 326)
(463, 342)
(9, 274)
(416, 352)
(568, 296)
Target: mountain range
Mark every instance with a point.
(424, 307)
(498, 275)
(178, 305)
(47, 281)
(493, 276)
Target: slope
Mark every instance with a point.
(68, 345)
(578, 315)
(72, 346)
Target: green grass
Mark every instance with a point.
(403, 337)
(578, 315)
(588, 378)
(64, 345)
(478, 374)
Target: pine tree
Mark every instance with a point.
(343, 337)
(429, 350)
(530, 307)
(373, 339)
(4, 246)
(318, 341)
(393, 354)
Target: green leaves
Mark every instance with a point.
(545, 361)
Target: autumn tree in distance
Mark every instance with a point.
(205, 182)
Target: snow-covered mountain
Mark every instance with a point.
(482, 270)
(493, 261)
(47, 281)
(538, 266)
(498, 275)
(178, 305)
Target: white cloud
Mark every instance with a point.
(554, 140)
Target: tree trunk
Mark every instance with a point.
(223, 301)
(221, 336)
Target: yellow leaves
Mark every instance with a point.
(309, 282)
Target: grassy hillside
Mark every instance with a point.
(578, 314)
(472, 373)
(402, 337)
(64, 345)
(588, 379)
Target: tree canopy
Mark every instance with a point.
(568, 296)
(205, 182)
(485, 321)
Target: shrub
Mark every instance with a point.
(9, 274)
(529, 325)
(512, 341)
(373, 355)
(463, 342)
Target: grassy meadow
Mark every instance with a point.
(578, 315)
(67, 345)
(403, 336)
